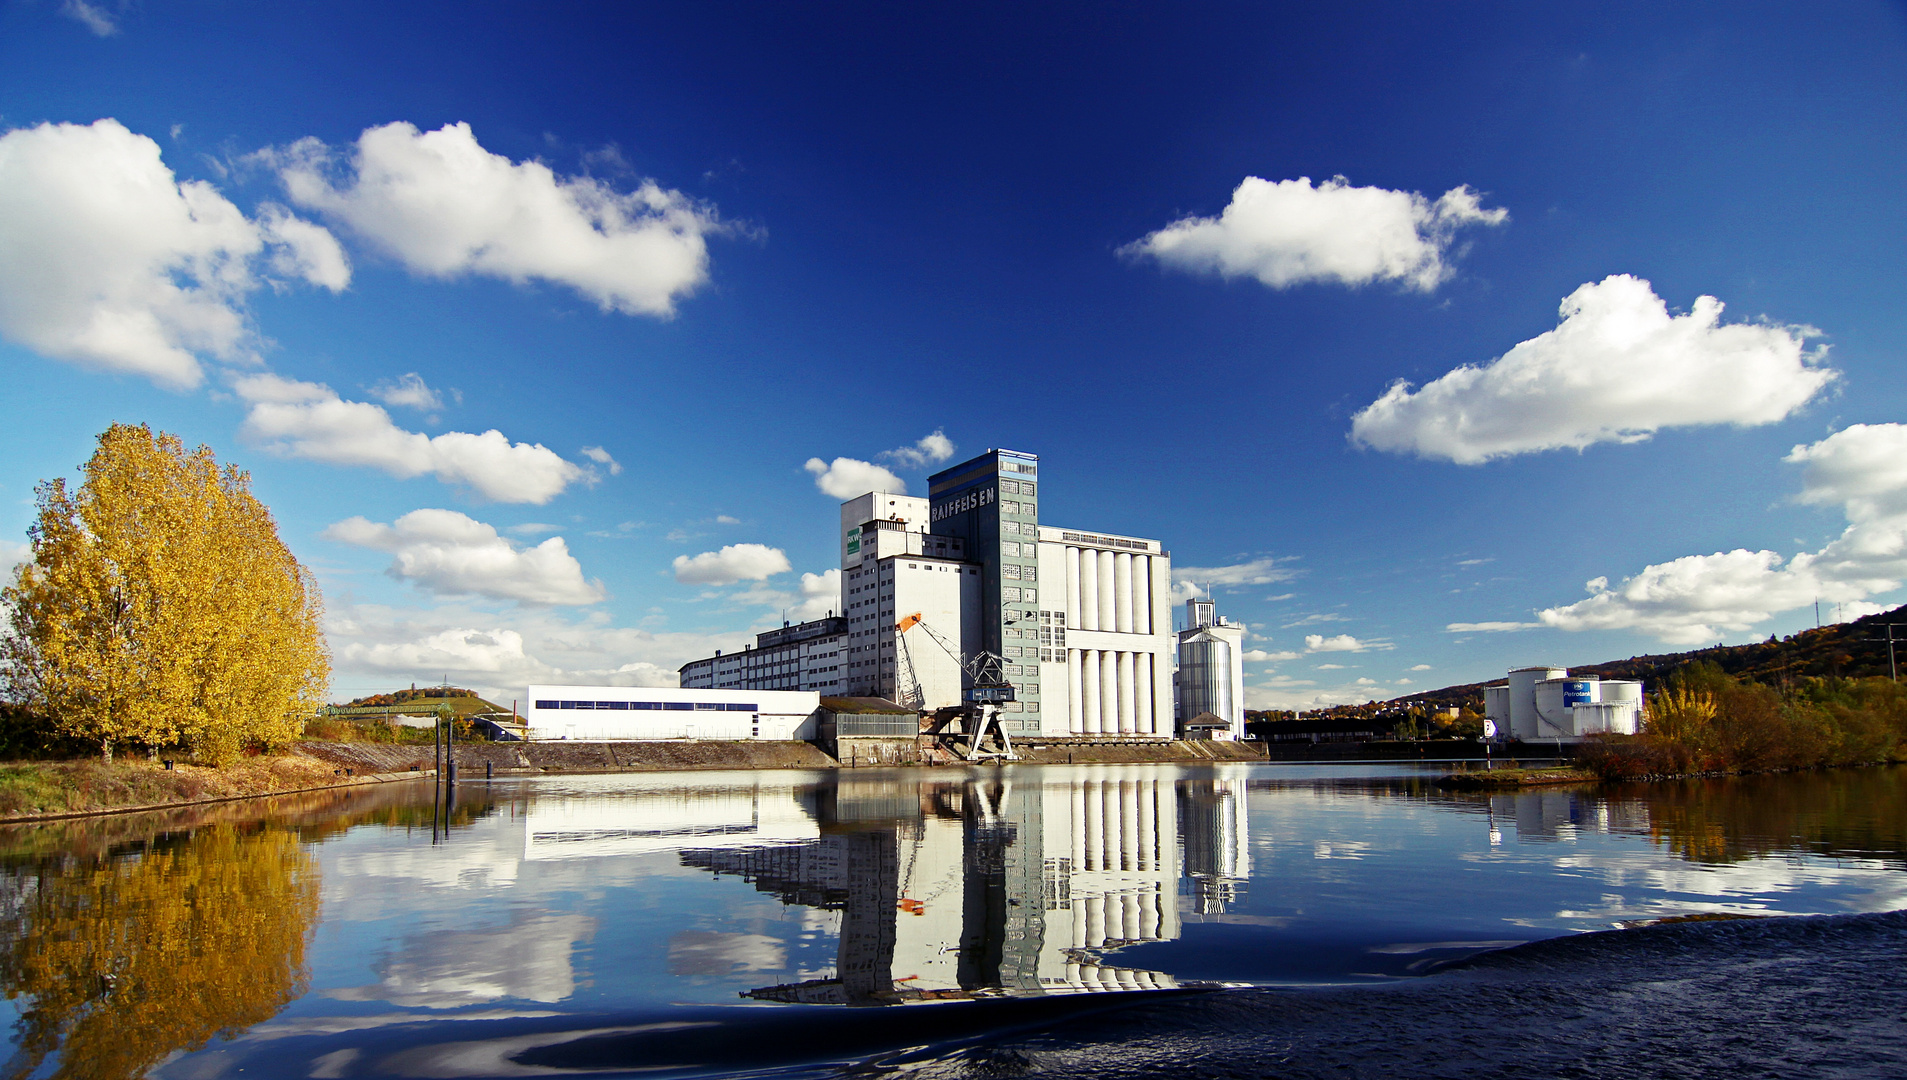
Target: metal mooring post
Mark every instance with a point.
(450, 752)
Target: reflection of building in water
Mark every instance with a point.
(990, 887)
(636, 823)
(1552, 815)
(1217, 844)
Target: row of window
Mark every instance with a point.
(1106, 541)
(666, 706)
(1008, 506)
(1020, 573)
(1013, 595)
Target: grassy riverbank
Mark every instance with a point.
(1707, 721)
(1512, 779)
(88, 786)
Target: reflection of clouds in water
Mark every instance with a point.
(1755, 885)
(448, 969)
(708, 952)
(375, 875)
(1339, 849)
(445, 866)
(302, 1026)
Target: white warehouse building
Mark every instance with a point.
(1547, 703)
(617, 713)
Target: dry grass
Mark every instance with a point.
(67, 787)
(1494, 779)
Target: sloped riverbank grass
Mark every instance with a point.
(77, 787)
(1704, 720)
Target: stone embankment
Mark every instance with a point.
(43, 791)
(575, 757)
(669, 756)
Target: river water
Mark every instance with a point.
(1020, 920)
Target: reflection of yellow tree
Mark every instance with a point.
(126, 961)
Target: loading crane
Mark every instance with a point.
(979, 709)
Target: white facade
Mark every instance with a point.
(619, 713)
(1105, 642)
(892, 568)
(1212, 669)
(1546, 703)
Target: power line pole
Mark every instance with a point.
(1893, 670)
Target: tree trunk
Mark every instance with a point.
(106, 751)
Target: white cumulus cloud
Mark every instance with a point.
(450, 553)
(1617, 368)
(1289, 232)
(603, 457)
(409, 391)
(1318, 643)
(444, 206)
(109, 260)
(309, 420)
(1260, 656)
(845, 478)
(12, 554)
(815, 596)
(820, 594)
(929, 450)
(1700, 598)
(1489, 627)
(736, 562)
(375, 647)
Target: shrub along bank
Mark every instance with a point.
(1704, 720)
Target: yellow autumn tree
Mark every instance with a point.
(160, 607)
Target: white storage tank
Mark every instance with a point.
(1496, 708)
(1552, 709)
(1522, 692)
(1626, 698)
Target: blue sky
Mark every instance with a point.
(708, 243)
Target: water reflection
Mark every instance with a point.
(126, 941)
(125, 959)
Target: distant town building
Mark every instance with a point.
(1211, 674)
(1544, 703)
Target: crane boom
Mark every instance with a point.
(986, 688)
(986, 677)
